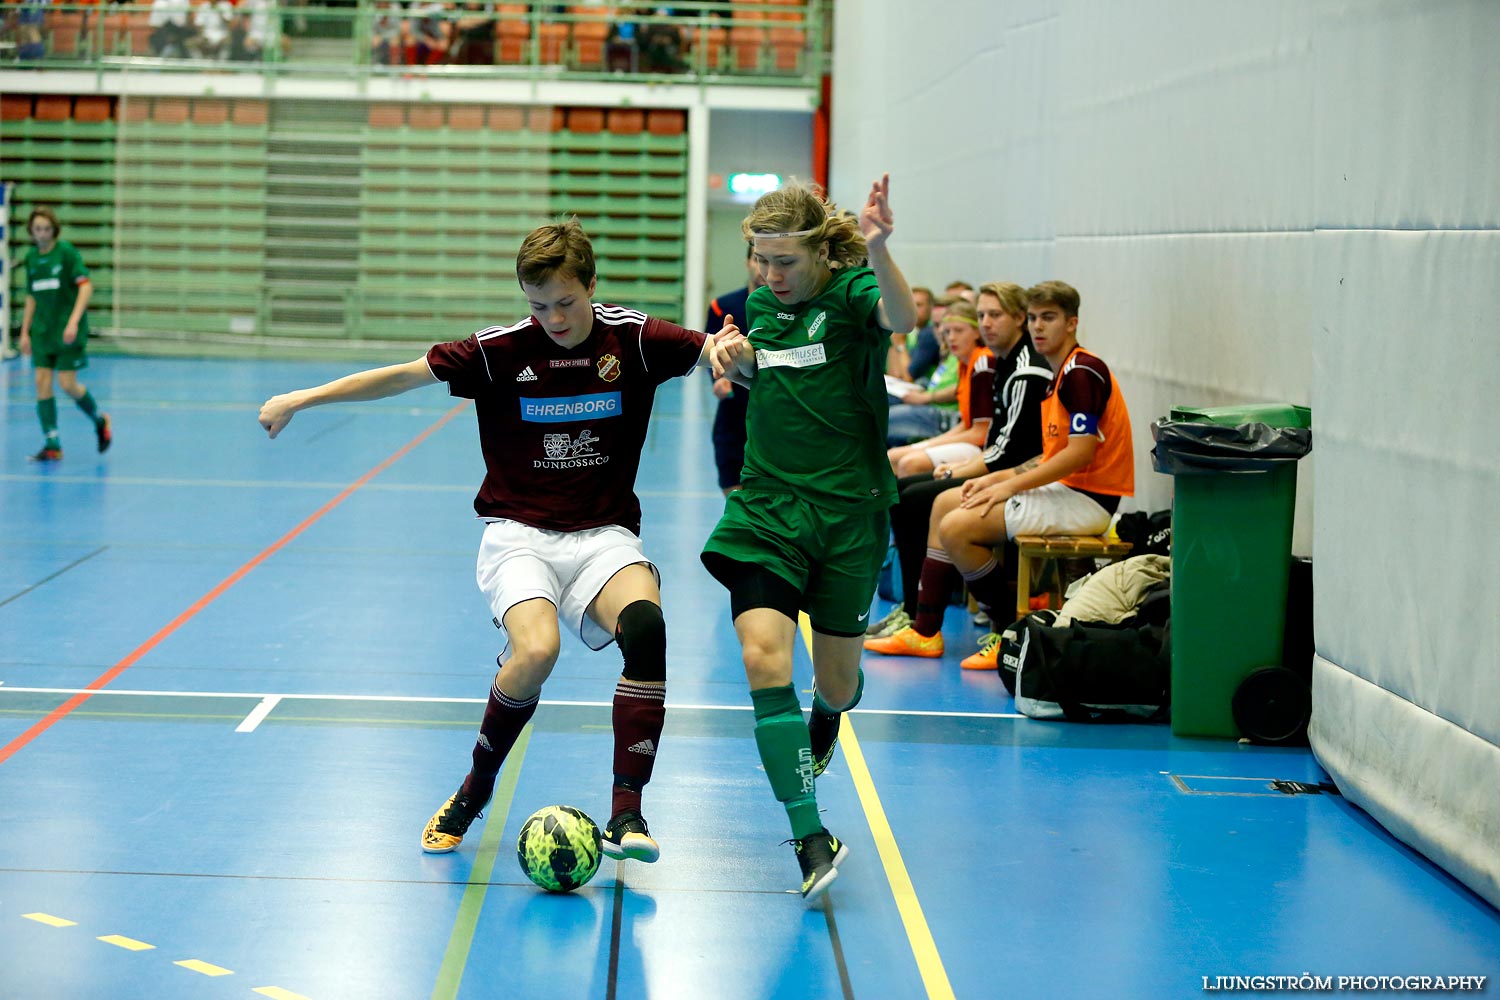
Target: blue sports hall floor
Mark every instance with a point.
(237, 676)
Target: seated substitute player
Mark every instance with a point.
(808, 530)
(562, 400)
(1087, 463)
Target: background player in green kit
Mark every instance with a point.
(55, 329)
(809, 529)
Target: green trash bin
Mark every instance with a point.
(1234, 472)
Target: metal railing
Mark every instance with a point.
(762, 42)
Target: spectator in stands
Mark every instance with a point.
(388, 47)
(213, 20)
(914, 355)
(1086, 466)
(661, 44)
(55, 329)
(30, 42)
(622, 45)
(249, 32)
(729, 418)
(474, 35)
(172, 32)
(1020, 381)
(960, 290)
(966, 438)
(431, 31)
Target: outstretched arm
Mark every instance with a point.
(377, 383)
(897, 310)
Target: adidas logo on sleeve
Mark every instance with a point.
(527, 375)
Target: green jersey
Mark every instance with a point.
(944, 376)
(818, 412)
(52, 279)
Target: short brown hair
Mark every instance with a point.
(1012, 297)
(562, 248)
(43, 212)
(1054, 293)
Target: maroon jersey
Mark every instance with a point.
(562, 430)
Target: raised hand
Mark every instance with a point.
(875, 220)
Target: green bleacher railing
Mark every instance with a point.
(761, 42)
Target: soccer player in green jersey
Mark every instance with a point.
(808, 531)
(55, 329)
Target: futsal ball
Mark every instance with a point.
(559, 848)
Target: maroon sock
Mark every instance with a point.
(640, 710)
(504, 718)
(987, 586)
(938, 579)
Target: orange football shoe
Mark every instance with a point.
(908, 642)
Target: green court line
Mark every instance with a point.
(456, 957)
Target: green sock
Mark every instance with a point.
(781, 737)
(46, 410)
(87, 405)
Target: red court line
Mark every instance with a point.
(42, 725)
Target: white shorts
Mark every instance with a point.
(952, 452)
(569, 568)
(1054, 509)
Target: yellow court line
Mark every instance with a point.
(129, 944)
(206, 968)
(50, 920)
(277, 993)
(923, 947)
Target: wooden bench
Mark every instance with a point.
(1036, 551)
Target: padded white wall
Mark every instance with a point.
(1267, 200)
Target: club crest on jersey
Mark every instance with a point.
(609, 368)
(563, 451)
(816, 325)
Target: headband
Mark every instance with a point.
(962, 319)
(778, 236)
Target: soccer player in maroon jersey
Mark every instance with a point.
(562, 399)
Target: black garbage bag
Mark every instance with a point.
(1193, 447)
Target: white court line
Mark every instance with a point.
(420, 700)
(258, 713)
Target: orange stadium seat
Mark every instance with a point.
(135, 109)
(15, 107)
(53, 108)
(711, 41)
(249, 113)
(425, 116)
(625, 121)
(666, 122)
(589, 35)
(512, 32)
(786, 49)
(504, 118)
(387, 115)
(210, 112)
(92, 109)
(468, 117)
(545, 119)
(171, 110)
(747, 43)
(552, 38)
(586, 121)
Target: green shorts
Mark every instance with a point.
(832, 557)
(66, 357)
